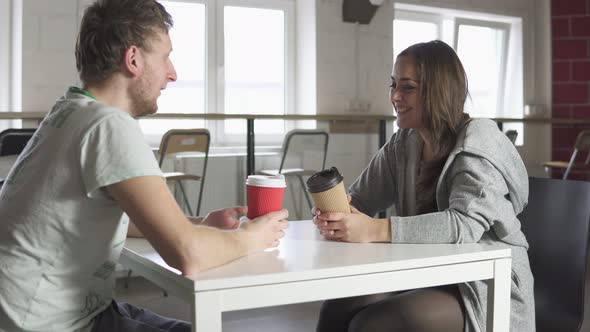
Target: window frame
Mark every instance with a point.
(214, 74)
(511, 24)
(503, 63)
(11, 21)
(417, 16)
(215, 66)
(218, 67)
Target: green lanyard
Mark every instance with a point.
(75, 89)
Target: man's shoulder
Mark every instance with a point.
(82, 113)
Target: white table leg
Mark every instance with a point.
(206, 312)
(498, 317)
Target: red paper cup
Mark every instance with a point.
(264, 194)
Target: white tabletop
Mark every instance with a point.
(298, 258)
(307, 268)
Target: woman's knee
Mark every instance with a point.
(365, 321)
(335, 315)
(421, 310)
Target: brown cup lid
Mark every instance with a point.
(324, 180)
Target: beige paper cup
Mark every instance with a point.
(327, 191)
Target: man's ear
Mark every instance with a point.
(133, 61)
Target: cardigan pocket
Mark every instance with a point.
(515, 279)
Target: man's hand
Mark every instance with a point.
(265, 231)
(227, 218)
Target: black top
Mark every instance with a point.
(324, 180)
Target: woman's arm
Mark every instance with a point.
(478, 200)
(375, 189)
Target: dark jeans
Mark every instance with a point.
(124, 317)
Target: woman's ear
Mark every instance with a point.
(133, 61)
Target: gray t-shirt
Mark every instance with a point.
(61, 234)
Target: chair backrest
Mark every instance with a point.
(184, 140)
(583, 144)
(13, 141)
(512, 135)
(299, 142)
(556, 223)
(583, 140)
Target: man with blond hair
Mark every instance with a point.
(67, 204)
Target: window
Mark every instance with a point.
(232, 57)
(480, 43)
(187, 94)
(254, 47)
(10, 60)
(424, 27)
(489, 46)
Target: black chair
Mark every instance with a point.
(556, 223)
(512, 135)
(582, 145)
(13, 141)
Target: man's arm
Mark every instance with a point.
(133, 231)
(188, 248)
(223, 219)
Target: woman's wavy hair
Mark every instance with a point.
(443, 84)
(109, 28)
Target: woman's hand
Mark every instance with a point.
(227, 218)
(352, 227)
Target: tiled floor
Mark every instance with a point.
(289, 318)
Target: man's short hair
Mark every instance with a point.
(109, 28)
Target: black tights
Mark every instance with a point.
(428, 309)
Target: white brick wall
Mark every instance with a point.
(49, 36)
(337, 62)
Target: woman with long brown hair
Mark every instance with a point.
(450, 179)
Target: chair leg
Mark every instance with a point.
(294, 199)
(201, 185)
(188, 205)
(569, 166)
(126, 280)
(305, 192)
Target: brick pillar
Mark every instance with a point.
(570, 26)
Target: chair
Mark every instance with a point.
(13, 141)
(582, 145)
(512, 135)
(186, 140)
(298, 144)
(556, 224)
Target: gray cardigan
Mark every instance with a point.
(482, 188)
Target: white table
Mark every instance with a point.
(307, 268)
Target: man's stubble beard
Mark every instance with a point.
(141, 105)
